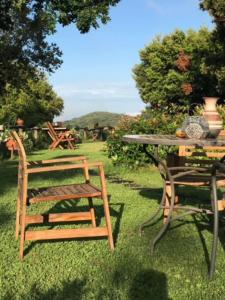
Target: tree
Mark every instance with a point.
(25, 24)
(216, 60)
(216, 8)
(35, 103)
(174, 71)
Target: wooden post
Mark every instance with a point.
(35, 133)
(85, 133)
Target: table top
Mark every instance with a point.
(56, 128)
(172, 140)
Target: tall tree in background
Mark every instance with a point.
(24, 50)
(216, 61)
(25, 24)
(173, 72)
(35, 102)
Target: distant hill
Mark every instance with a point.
(89, 120)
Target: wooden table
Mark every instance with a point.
(172, 140)
(166, 174)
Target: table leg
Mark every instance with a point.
(165, 174)
(150, 220)
(215, 225)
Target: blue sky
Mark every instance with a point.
(96, 74)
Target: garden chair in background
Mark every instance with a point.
(26, 197)
(60, 139)
(203, 161)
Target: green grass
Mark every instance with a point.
(87, 269)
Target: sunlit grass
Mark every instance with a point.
(87, 269)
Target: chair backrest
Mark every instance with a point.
(206, 152)
(20, 148)
(22, 178)
(52, 131)
(200, 156)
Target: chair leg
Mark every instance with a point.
(108, 222)
(70, 145)
(22, 231)
(215, 227)
(92, 211)
(167, 203)
(17, 217)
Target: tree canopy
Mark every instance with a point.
(216, 8)
(175, 70)
(25, 53)
(35, 103)
(25, 24)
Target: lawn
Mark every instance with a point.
(87, 269)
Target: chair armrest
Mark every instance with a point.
(64, 167)
(57, 160)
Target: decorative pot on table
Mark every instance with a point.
(195, 127)
(212, 116)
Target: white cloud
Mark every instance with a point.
(82, 98)
(133, 114)
(96, 90)
(156, 7)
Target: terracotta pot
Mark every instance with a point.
(212, 116)
(19, 122)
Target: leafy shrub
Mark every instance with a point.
(43, 141)
(151, 122)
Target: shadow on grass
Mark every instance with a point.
(149, 284)
(8, 174)
(71, 206)
(71, 291)
(5, 216)
(197, 197)
(146, 285)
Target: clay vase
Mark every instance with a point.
(212, 116)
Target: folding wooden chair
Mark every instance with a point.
(60, 139)
(26, 197)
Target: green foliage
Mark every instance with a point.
(23, 45)
(89, 120)
(25, 25)
(35, 103)
(178, 61)
(87, 269)
(42, 142)
(216, 60)
(216, 8)
(152, 122)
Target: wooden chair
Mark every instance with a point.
(60, 139)
(191, 157)
(197, 168)
(26, 197)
